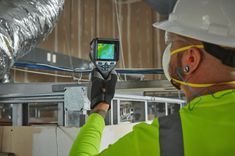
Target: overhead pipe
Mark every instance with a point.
(23, 24)
(164, 7)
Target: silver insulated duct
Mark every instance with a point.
(23, 24)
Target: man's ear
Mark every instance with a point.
(191, 60)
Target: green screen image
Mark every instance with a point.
(105, 51)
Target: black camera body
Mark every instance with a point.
(104, 55)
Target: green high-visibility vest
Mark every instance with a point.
(208, 128)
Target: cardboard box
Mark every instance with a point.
(18, 140)
(50, 140)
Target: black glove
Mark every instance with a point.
(102, 90)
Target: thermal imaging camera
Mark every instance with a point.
(105, 55)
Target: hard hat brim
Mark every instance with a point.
(199, 34)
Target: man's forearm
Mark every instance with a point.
(89, 137)
(88, 141)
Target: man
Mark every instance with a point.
(199, 60)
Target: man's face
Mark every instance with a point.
(175, 42)
(182, 49)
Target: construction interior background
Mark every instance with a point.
(41, 110)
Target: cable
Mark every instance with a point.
(2, 140)
(47, 74)
(87, 71)
(143, 71)
(41, 66)
(70, 46)
(119, 32)
(57, 146)
(41, 73)
(126, 2)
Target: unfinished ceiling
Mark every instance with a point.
(82, 20)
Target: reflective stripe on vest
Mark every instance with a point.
(170, 136)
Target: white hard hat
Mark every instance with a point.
(211, 21)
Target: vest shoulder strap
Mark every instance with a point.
(171, 136)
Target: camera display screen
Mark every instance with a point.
(105, 51)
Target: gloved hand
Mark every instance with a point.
(102, 90)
